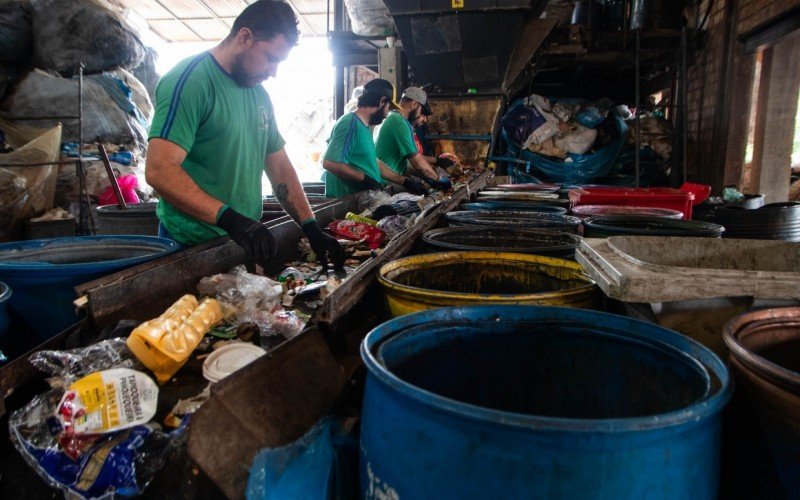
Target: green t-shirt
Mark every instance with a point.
(227, 132)
(395, 142)
(350, 143)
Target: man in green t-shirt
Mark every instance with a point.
(214, 134)
(395, 144)
(350, 161)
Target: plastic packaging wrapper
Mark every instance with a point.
(242, 289)
(92, 466)
(406, 208)
(590, 116)
(369, 18)
(283, 323)
(357, 231)
(579, 140)
(27, 191)
(254, 299)
(539, 102)
(321, 464)
(66, 366)
(563, 111)
(100, 466)
(127, 187)
(393, 225)
(369, 200)
(107, 401)
(520, 122)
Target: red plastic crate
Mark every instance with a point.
(674, 199)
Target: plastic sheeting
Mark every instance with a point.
(369, 18)
(27, 191)
(40, 94)
(82, 31)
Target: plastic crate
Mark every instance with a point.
(673, 199)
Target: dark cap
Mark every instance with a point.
(382, 88)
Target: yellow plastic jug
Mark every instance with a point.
(164, 344)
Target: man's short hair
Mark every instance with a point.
(267, 19)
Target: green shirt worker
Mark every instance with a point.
(350, 162)
(395, 144)
(214, 134)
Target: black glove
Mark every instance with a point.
(323, 244)
(442, 183)
(413, 186)
(256, 240)
(370, 184)
(444, 162)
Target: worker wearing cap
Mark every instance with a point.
(395, 144)
(350, 161)
(420, 121)
(214, 135)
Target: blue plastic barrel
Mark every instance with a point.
(5, 294)
(538, 402)
(42, 273)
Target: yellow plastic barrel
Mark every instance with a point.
(479, 278)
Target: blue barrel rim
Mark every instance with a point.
(5, 292)
(666, 339)
(168, 246)
(512, 206)
(461, 216)
(429, 238)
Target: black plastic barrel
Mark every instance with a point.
(774, 221)
(511, 218)
(628, 225)
(502, 239)
(137, 218)
(519, 206)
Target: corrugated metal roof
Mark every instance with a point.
(210, 20)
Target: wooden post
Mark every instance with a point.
(775, 136)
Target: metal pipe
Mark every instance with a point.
(685, 99)
(638, 100)
(40, 118)
(38, 164)
(111, 177)
(83, 190)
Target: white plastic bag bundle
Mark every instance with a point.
(369, 18)
(578, 140)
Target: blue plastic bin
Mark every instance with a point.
(42, 273)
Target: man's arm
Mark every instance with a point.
(389, 174)
(286, 186)
(163, 171)
(343, 171)
(421, 166)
